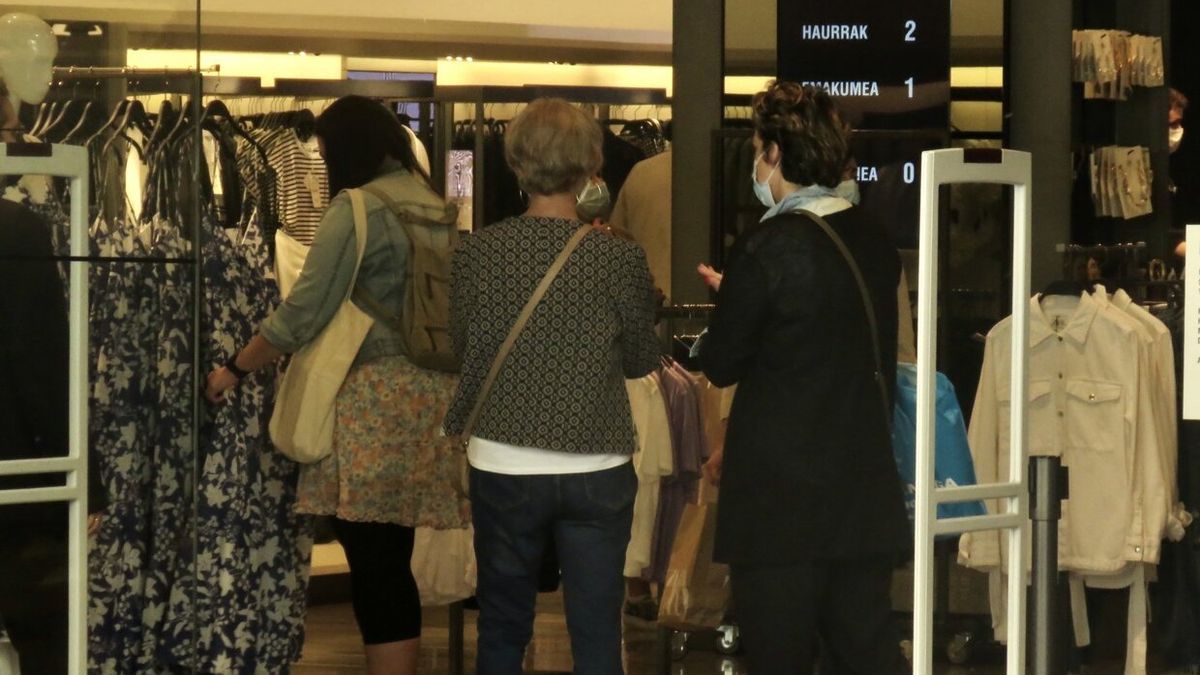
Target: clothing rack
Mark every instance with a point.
(1109, 261)
(90, 72)
(692, 311)
(447, 96)
(1099, 248)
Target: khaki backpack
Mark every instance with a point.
(424, 325)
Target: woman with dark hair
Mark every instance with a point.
(812, 515)
(390, 469)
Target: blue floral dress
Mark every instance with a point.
(201, 563)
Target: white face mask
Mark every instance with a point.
(1174, 138)
(762, 190)
(593, 201)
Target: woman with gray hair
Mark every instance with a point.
(550, 447)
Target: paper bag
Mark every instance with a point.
(695, 595)
(443, 563)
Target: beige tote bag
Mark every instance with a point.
(303, 419)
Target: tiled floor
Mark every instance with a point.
(333, 647)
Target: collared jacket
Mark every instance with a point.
(325, 279)
(808, 470)
(1091, 402)
(562, 387)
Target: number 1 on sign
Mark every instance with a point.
(910, 82)
(911, 27)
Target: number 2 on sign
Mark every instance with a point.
(910, 82)
(911, 27)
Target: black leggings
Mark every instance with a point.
(386, 602)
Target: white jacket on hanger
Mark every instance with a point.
(1101, 396)
(1088, 405)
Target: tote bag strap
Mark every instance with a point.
(360, 235)
(519, 326)
(868, 307)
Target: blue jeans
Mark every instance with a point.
(589, 516)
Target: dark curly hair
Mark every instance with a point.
(805, 123)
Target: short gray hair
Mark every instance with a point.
(553, 147)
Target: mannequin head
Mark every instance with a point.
(27, 51)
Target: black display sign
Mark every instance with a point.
(888, 172)
(886, 61)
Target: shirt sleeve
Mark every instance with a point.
(462, 297)
(735, 333)
(1151, 493)
(982, 549)
(640, 351)
(323, 284)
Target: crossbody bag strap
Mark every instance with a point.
(868, 306)
(515, 331)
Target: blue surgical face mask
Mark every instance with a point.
(762, 190)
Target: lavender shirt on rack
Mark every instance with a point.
(682, 399)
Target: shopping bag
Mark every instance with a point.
(695, 595)
(302, 422)
(443, 563)
(953, 465)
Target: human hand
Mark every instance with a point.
(219, 381)
(712, 468)
(710, 276)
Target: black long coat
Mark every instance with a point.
(808, 471)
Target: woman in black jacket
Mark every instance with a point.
(812, 515)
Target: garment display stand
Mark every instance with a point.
(938, 168)
(70, 162)
(480, 96)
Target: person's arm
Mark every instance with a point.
(256, 354)
(734, 336)
(640, 351)
(323, 284)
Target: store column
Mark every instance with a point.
(1039, 104)
(699, 59)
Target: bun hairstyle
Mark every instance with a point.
(805, 123)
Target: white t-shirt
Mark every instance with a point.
(514, 460)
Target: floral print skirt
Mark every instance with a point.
(390, 462)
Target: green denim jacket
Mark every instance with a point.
(325, 278)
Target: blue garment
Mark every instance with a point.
(201, 563)
(589, 516)
(953, 466)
